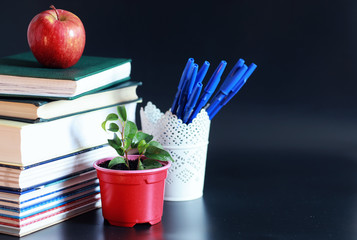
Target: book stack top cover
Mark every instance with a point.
(21, 75)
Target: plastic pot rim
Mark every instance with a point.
(165, 166)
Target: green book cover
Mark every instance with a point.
(26, 65)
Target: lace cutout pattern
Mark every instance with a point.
(187, 144)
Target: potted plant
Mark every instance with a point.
(132, 186)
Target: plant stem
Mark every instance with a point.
(139, 158)
(126, 151)
(53, 7)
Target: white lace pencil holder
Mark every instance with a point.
(187, 144)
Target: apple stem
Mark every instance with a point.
(53, 7)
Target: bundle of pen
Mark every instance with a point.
(188, 102)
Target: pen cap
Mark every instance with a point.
(230, 82)
(238, 65)
(186, 82)
(202, 72)
(249, 72)
(192, 79)
(185, 72)
(240, 84)
(216, 77)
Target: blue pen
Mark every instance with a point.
(192, 81)
(226, 99)
(231, 75)
(225, 89)
(239, 84)
(202, 72)
(209, 89)
(187, 91)
(192, 101)
(185, 72)
(238, 65)
(184, 87)
(235, 90)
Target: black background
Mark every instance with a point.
(305, 52)
(284, 150)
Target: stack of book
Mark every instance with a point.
(50, 135)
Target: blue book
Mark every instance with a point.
(62, 199)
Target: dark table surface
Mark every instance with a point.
(290, 174)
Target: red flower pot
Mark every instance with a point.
(132, 196)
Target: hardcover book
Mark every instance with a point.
(20, 178)
(41, 110)
(25, 212)
(15, 198)
(21, 75)
(23, 144)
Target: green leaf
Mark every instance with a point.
(142, 146)
(122, 113)
(113, 127)
(112, 117)
(115, 161)
(141, 136)
(113, 144)
(117, 139)
(158, 154)
(130, 130)
(156, 144)
(104, 125)
(120, 151)
(140, 165)
(127, 143)
(151, 163)
(116, 144)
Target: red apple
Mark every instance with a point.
(56, 38)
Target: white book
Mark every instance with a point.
(57, 168)
(26, 143)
